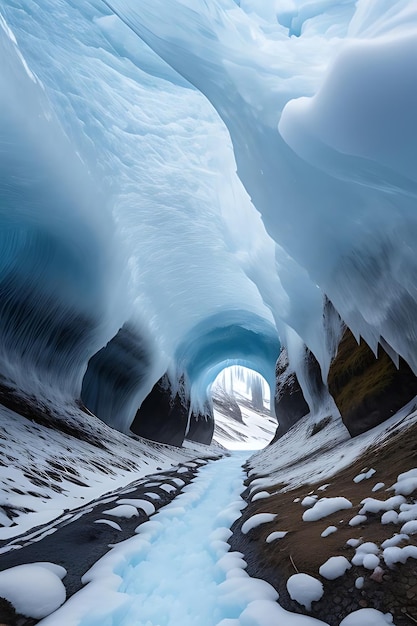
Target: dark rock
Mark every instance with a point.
(290, 404)
(114, 376)
(201, 427)
(163, 415)
(7, 613)
(368, 390)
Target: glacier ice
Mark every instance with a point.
(192, 184)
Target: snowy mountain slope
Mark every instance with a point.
(255, 431)
(45, 472)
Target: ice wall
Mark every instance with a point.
(127, 238)
(59, 256)
(297, 95)
(130, 245)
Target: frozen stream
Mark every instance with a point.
(177, 570)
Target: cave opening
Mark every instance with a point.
(242, 409)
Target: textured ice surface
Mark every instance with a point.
(122, 129)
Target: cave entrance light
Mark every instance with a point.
(241, 404)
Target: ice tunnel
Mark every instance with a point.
(190, 184)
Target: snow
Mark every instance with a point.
(378, 486)
(326, 506)
(139, 503)
(370, 561)
(394, 554)
(257, 427)
(395, 540)
(132, 185)
(256, 520)
(371, 505)
(260, 495)
(328, 531)
(305, 589)
(366, 553)
(278, 534)
(124, 510)
(334, 567)
(409, 528)
(168, 488)
(309, 501)
(406, 483)
(204, 582)
(109, 522)
(35, 590)
(389, 517)
(49, 487)
(357, 520)
(367, 617)
(364, 475)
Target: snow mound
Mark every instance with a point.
(367, 617)
(325, 507)
(257, 520)
(304, 589)
(334, 567)
(35, 590)
(123, 510)
(138, 503)
(278, 534)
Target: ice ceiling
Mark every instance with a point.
(185, 183)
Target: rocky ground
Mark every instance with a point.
(79, 540)
(303, 549)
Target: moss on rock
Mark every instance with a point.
(368, 390)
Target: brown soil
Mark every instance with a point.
(304, 550)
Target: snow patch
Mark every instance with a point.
(304, 589)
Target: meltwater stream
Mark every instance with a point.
(178, 569)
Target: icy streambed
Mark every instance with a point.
(178, 570)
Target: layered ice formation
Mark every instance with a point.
(187, 185)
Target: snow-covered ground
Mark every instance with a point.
(45, 473)
(253, 433)
(178, 568)
(257, 427)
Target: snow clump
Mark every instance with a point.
(35, 590)
(334, 567)
(325, 507)
(257, 520)
(304, 589)
(406, 483)
(123, 510)
(367, 617)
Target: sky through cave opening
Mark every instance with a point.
(242, 409)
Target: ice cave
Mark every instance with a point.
(208, 243)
